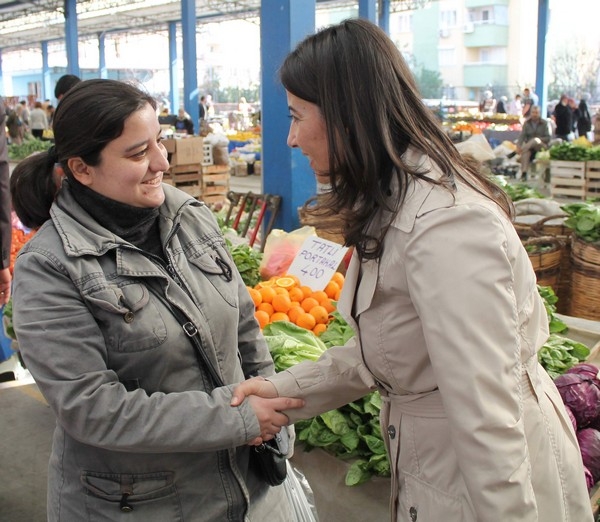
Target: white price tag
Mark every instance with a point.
(316, 262)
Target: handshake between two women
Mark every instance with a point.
(267, 405)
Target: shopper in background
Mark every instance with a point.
(535, 136)
(183, 122)
(5, 210)
(563, 117)
(584, 122)
(140, 428)
(501, 106)
(515, 106)
(527, 102)
(64, 83)
(440, 291)
(38, 120)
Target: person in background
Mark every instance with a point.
(38, 120)
(575, 116)
(488, 103)
(535, 136)
(50, 114)
(183, 122)
(527, 101)
(24, 114)
(563, 117)
(5, 211)
(584, 122)
(515, 106)
(142, 432)
(201, 110)
(166, 118)
(501, 106)
(440, 292)
(64, 83)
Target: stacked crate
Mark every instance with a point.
(215, 183)
(185, 164)
(568, 179)
(592, 178)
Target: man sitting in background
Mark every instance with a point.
(535, 136)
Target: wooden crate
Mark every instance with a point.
(215, 183)
(185, 173)
(213, 198)
(567, 179)
(592, 177)
(193, 189)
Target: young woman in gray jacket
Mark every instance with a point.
(141, 427)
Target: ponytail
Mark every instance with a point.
(33, 188)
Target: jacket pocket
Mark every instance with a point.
(421, 502)
(218, 269)
(147, 497)
(128, 318)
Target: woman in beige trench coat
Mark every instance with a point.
(441, 293)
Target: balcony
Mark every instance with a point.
(485, 35)
(473, 4)
(479, 74)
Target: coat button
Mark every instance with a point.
(413, 513)
(128, 317)
(391, 431)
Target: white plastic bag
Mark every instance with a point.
(300, 495)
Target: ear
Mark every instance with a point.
(81, 171)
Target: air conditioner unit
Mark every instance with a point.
(469, 27)
(444, 33)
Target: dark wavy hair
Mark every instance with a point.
(373, 111)
(89, 116)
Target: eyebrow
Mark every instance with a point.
(140, 144)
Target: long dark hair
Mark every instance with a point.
(373, 111)
(88, 117)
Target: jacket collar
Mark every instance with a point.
(82, 235)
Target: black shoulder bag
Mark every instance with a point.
(268, 459)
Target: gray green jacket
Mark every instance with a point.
(89, 330)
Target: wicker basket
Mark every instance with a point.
(328, 228)
(585, 279)
(546, 263)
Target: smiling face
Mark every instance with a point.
(308, 132)
(131, 166)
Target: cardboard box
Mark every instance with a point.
(185, 151)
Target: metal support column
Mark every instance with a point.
(384, 15)
(173, 68)
(541, 87)
(71, 41)
(102, 70)
(46, 80)
(190, 73)
(367, 9)
(286, 172)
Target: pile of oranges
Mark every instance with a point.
(283, 298)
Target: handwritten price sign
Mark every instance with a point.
(316, 262)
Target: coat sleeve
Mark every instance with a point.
(66, 353)
(462, 284)
(337, 378)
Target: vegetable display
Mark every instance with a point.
(584, 219)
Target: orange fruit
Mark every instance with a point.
(319, 328)
(280, 291)
(266, 307)
(256, 296)
(328, 305)
(281, 302)
(294, 311)
(305, 320)
(262, 284)
(296, 294)
(337, 295)
(320, 314)
(331, 289)
(306, 290)
(308, 303)
(285, 282)
(279, 316)
(262, 317)
(319, 295)
(338, 278)
(267, 293)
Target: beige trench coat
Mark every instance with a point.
(450, 323)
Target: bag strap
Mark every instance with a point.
(192, 334)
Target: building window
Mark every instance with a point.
(447, 19)
(447, 57)
(403, 23)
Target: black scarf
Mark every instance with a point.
(138, 226)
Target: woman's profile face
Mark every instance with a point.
(308, 132)
(132, 165)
